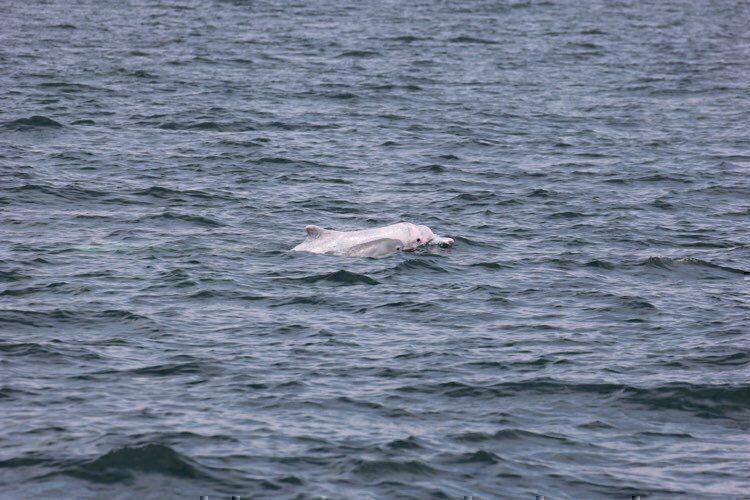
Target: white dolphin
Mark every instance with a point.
(376, 242)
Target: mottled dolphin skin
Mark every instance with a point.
(376, 242)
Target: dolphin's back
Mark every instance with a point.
(374, 242)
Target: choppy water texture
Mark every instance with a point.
(586, 337)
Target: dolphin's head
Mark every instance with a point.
(418, 236)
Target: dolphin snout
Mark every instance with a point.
(441, 240)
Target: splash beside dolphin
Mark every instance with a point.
(375, 242)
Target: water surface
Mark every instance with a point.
(586, 336)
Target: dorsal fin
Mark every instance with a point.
(314, 231)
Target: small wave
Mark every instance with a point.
(310, 300)
(496, 294)
(34, 122)
(142, 74)
(567, 215)
(421, 264)
(690, 264)
(52, 317)
(471, 39)
(635, 302)
(342, 277)
(600, 264)
(13, 393)
(168, 370)
(121, 464)
(507, 434)
(67, 86)
(477, 457)
(359, 53)
(595, 424)
(207, 126)
(334, 180)
(12, 275)
(178, 276)
(391, 116)
(409, 38)
(507, 389)
(584, 45)
(593, 31)
(165, 193)
(729, 360)
(282, 125)
(392, 86)
(377, 468)
(121, 314)
(467, 241)
(662, 204)
(616, 180)
(490, 265)
(358, 403)
(430, 169)
(56, 317)
(226, 295)
(664, 178)
(23, 461)
(339, 95)
(541, 193)
(172, 216)
(255, 143)
(479, 197)
(705, 400)
(67, 192)
(669, 435)
(276, 160)
(409, 305)
(30, 349)
(410, 443)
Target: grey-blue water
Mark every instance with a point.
(586, 337)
